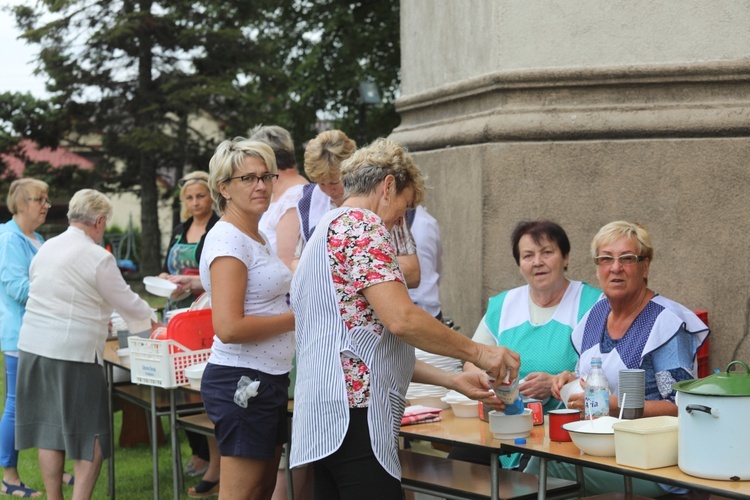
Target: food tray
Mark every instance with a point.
(162, 362)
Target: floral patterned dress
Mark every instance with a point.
(361, 254)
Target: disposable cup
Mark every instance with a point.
(558, 418)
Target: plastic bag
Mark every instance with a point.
(246, 389)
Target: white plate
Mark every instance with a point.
(159, 286)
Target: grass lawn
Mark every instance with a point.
(133, 466)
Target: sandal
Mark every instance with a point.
(204, 489)
(25, 491)
(193, 472)
(71, 479)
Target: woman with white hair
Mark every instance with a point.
(74, 287)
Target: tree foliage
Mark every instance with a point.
(135, 71)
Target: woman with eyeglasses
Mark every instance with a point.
(356, 333)
(19, 242)
(631, 327)
(253, 323)
(185, 246)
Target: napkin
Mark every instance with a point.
(420, 415)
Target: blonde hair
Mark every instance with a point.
(23, 189)
(197, 177)
(367, 167)
(87, 205)
(617, 230)
(227, 159)
(324, 154)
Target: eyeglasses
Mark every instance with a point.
(628, 259)
(252, 179)
(42, 201)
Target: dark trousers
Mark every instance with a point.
(353, 472)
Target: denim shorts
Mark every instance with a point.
(252, 432)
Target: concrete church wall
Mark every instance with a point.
(586, 112)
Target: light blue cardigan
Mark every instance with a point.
(16, 252)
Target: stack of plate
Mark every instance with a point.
(632, 392)
(426, 394)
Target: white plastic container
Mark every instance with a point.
(162, 362)
(124, 355)
(194, 374)
(505, 426)
(646, 443)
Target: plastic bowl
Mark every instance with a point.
(596, 438)
(505, 426)
(429, 402)
(159, 286)
(465, 409)
(194, 374)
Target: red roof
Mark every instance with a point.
(57, 158)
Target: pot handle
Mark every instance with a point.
(741, 363)
(705, 409)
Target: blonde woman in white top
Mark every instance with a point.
(248, 285)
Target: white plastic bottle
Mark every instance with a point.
(597, 391)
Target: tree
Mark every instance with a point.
(133, 71)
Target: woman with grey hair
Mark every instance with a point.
(356, 326)
(254, 327)
(279, 223)
(74, 287)
(19, 242)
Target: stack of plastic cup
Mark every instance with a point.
(632, 393)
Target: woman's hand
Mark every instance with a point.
(559, 380)
(537, 385)
(498, 362)
(476, 385)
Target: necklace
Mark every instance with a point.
(255, 235)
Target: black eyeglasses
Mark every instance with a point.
(252, 179)
(43, 201)
(624, 260)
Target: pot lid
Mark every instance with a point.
(728, 383)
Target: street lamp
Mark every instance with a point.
(368, 94)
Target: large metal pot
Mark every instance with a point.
(712, 435)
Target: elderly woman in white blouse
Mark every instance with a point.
(74, 287)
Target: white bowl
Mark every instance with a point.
(465, 409)
(596, 438)
(194, 374)
(124, 355)
(511, 426)
(159, 286)
(429, 402)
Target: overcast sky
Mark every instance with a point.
(16, 58)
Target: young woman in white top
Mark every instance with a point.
(248, 286)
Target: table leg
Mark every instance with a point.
(628, 485)
(154, 443)
(175, 444)
(494, 475)
(581, 480)
(111, 461)
(542, 492)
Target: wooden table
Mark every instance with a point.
(159, 402)
(475, 433)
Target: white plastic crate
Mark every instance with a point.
(162, 362)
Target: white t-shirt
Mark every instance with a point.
(430, 254)
(268, 281)
(276, 210)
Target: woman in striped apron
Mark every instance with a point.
(356, 332)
